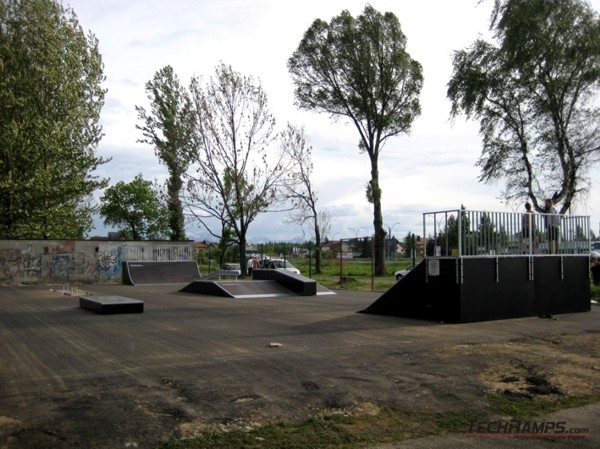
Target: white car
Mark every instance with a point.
(232, 269)
(280, 264)
(401, 273)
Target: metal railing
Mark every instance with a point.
(159, 253)
(476, 233)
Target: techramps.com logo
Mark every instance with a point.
(533, 429)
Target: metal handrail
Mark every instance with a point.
(460, 232)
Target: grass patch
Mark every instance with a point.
(524, 408)
(327, 432)
(457, 422)
(388, 426)
(595, 292)
(355, 273)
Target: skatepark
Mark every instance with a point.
(165, 356)
(194, 363)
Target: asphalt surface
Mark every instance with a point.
(71, 378)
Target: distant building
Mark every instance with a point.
(112, 236)
(203, 248)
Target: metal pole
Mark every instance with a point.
(460, 232)
(341, 263)
(372, 263)
(309, 261)
(414, 250)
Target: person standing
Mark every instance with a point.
(252, 264)
(528, 230)
(552, 226)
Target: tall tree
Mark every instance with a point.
(50, 100)
(301, 191)
(136, 208)
(534, 93)
(169, 127)
(237, 171)
(409, 244)
(358, 68)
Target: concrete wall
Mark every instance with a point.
(65, 261)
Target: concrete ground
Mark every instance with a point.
(70, 378)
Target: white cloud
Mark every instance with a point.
(432, 168)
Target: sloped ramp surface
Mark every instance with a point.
(178, 272)
(324, 290)
(239, 289)
(407, 298)
(265, 283)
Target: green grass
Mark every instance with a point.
(524, 408)
(595, 292)
(355, 273)
(386, 427)
(327, 432)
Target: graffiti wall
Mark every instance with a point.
(59, 261)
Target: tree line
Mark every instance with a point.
(533, 89)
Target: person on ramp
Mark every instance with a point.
(252, 264)
(552, 226)
(528, 238)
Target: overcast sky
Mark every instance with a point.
(431, 169)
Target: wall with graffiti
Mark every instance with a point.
(60, 261)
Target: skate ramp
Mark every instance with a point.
(238, 289)
(135, 273)
(111, 304)
(471, 289)
(265, 283)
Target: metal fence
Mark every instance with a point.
(476, 233)
(159, 253)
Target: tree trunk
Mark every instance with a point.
(379, 233)
(317, 248)
(242, 255)
(176, 222)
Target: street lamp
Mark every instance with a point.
(356, 231)
(391, 228)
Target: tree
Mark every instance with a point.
(409, 243)
(534, 96)
(236, 171)
(136, 207)
(447, 233)
(301, 192)
(169, 127)
(50, 101)
(359, 69)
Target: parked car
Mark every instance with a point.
(230, 269)
(401, 273)
(280, 264)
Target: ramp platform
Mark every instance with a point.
(265, 283)
(105, 305)
(238, 289)
(177, 272)
(470, 289)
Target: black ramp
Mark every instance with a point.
(238, 289)
(412, 297)
(255, 289)
(265, 283)
(206, 287)
(112, 304)
(470, 289)
(300, 285)
(160, 272)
